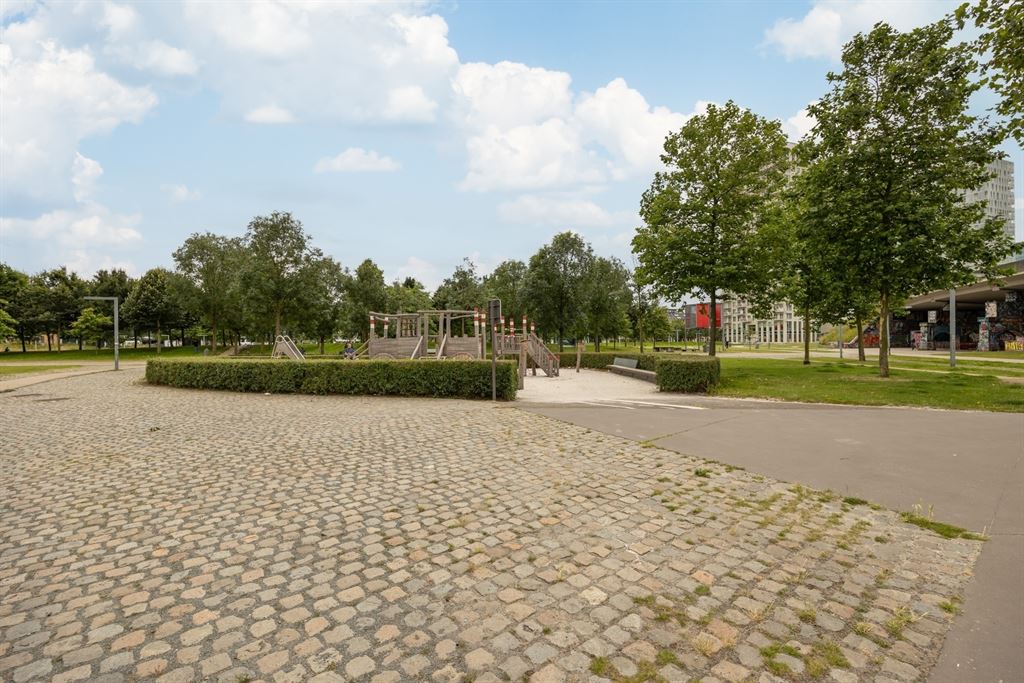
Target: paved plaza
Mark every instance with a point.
(153, 533)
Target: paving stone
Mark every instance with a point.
(315, 543)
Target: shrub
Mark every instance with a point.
(601, 361)
(690, 374)
(450, 379)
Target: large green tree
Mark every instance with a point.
(62, 301)
(278, 270)
(324, 312)
(1001, 46)
(605, 299)
(462, 290)
(407, 296)
(702, 215)
(151, 304)
(893, 149)
(365, 291)
(555, 284)
(507, 282)
(13, 288)
(91, 325)
(211, 264)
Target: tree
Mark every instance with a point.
(364, 292)
(462, 290)
(150, 303)
(323, 314)
(725, 171)
(407, 296)
(1002, 41)
(210, 264)
(13, 286)
(62, 299)
(891, 154)
(605, 300)
(642, 303)
(91, 325)
(279, 267)
(555, 283)
(508, 283)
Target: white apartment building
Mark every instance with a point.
(784, 327)
(998, 194)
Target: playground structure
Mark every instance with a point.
(284, 346)
(448, 334)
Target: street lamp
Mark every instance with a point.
(117, 345)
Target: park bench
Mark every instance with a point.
(628, 368)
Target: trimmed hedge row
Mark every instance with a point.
(449, 379)
(600, 361)
(674, 372)
(699, 373)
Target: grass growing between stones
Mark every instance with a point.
(942, 529)
(856, 384)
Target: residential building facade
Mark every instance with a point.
(739, 326)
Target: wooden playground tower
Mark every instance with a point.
(448, 334)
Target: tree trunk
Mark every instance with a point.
(158, 338)
(213, 334)
(58, 339)
(21, 333)
(49, 340)
(321, 345)
(883, 338)
(561, 338)
(277, 322)
(713, 322)
(807, 334)
(860, 338)
(79, 343)
(135, 337)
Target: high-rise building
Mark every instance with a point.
(997, 193)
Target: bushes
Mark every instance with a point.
(688, 374)
(600, 361)
(450, 379)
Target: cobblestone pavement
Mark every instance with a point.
(148, 532)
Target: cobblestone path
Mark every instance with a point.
(148, 532)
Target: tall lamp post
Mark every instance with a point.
(117, 340)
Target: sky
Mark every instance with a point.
(413, 133)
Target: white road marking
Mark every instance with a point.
(664, 405)
(605, 405)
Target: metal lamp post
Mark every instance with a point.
(117, 339)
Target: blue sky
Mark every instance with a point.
(412, 133)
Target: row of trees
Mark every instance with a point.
(273, 280)
(868, 209)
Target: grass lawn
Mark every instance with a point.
(72, 353)
(855, 384)
(964, 366)
(10, 370)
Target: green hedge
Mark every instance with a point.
(601, 361)
(688, 374)
(450, 379)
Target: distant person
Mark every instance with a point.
(350, 352)
(7, 349)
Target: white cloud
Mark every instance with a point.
(409, 103)
(269, 113)
(157, 57)
(508, 94)
(85, 172)
(829, 24)
(798, 125)
(54, 98)
(559, 211)
(356, 159)
(88, 225)
(180, 193)
(424, 271)
(529, 130)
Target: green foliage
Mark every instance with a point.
(463, 290)
(1002, 42)
(605, 300)
(364, 292)
(407, 296)
(601, 361)
(556, 281)
(703, 215)
(903, 227)
(449, 379)
(8, 325)
(91, 325)
(151, 302)
(210, 265)
(508, 283)
(692, 374)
